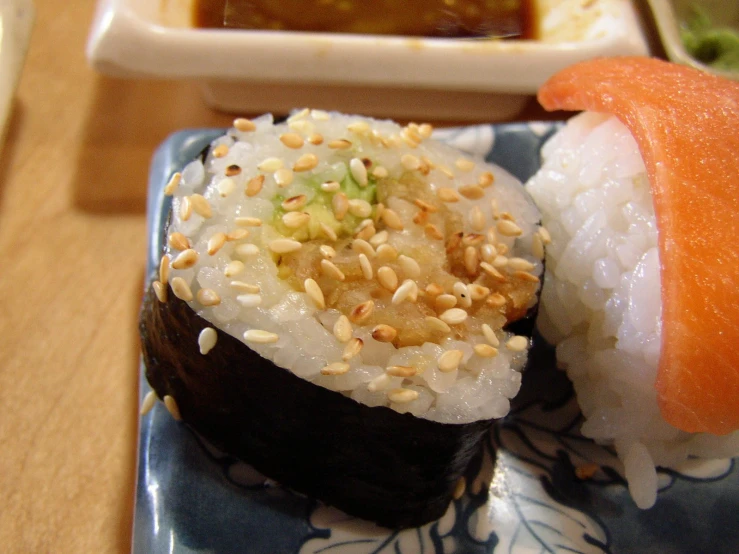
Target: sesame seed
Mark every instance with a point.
(473, 239)
(402, 396)
(379, 383)
(315, 293)
(343, 329)
(336, 368)
(486, 179)
(249, 300)
(360, 208)
(464, 164)
(537, 247)
(220, 151)
(245, 287)
(392, 219)
(450, 360)
(254, 186)
(387, 278)
(425, 130)
(171, 404)
(409, 266)
(181, 289)
(386, 253)
(477, 219)
(208, 297)
(524, 276)
(178, 241)
(320, 115)
(285, 246)
(236, 235)
(164, 269)
(330, 186)
(185, 208)
(362, 312)
(380, 172)
(459, 488)
(339, 144)
(366, 232)
(435, 324)
(160, 290)
(306, 162)
(244, 125)
(421, 218)
(405, 291)
(471, 259)
(489, 334)
(327, 251)
(462, 294)
(471, 192)
(453, 316)
(489, 252)
(329, 269)
(379, 210)
(379, 238)
(499, 262)
(408, 138)
(246, 250)
(359, 127)
(517, 343)
(501, 248)
(358, 171)
(366, 266)
(260, 337)
(302, 114)
(446, 171)
(270, 165)
(520, 264)
(490, 270)
(340, 205)
(410, 162)
(485, 350)
(546, 238)
(233, 268)
(172, 184)
(445, 301)
(494, 208)
(477, 292)
(225, 187)
(433, 232)
(425, 206)
(207, 340)
(284, 177)
(447, 194)
(328, 231)
(434, 289)
(148, 403)
(401, 371)
(292, 140)
(508, 216)
(295, 220)
(316, 139)
(412, 130)
(496, 300)
(508, 228)
(185, 259)
(294, 203)
(384, 333)
(216, 242)
(232, 170)
(353, 347)
(363, 247)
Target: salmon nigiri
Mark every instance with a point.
(686, 125)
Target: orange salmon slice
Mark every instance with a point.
(686, 124)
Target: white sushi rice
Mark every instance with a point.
(303, 339)
(601, 301)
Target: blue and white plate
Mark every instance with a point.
(523, 494)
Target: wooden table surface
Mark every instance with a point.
(72, 244)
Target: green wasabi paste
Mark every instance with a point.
(717, 47)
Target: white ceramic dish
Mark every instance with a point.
(667, 16)
(16, 21)
(257, 71)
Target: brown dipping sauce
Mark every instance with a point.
(416, 18)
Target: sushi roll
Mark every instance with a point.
(640, 196)
(346, 304)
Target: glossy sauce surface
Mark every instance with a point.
(418, 18)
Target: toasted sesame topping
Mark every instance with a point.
(302, 114)
(402, 396)
(434, 289)
(379, 238)
(171, 404)
(260, 337)
(362, 312)
(401, 371)
(409, 266)
(502, 248)
(207, 340)
(320, 115)
(353, 347)
(316, 138)
(366, 266)
(225, 187)
(486, 179)
(181, 289)
(473, 239)
(215, 243)
(489, 252)
(178, 241)
(185, 259)
(160, 291)
(340, 205)
(294, 203)
(446, 171)
(292, 140)
(459, 488)
(185, 208)
(315, 293)
(327, 251)
(477, 219)
(387, 278)
(485, 350)
(245, 287)
(249, 300)
(339, 144)
(446, 194)
(172, 184)
(496, 300)
(445, 301)
(410, 138)
(306, 162)
(489, 334)
(329, 269)
(330, 186)
(246, 250)
(392, 219)
(164, 269)
(433, 232)
(471, 192)
(208, 297)
(544, 234)
(295, 220)
(328, 231)
(490, 270)
(520, 264)
(244, 125)
(379, 383)
(148, 403)
(367, 231)
(284, 246)
(380, 172)
(524, 276)
(343, 329)
(462, 294)
(336, 368)
(406, 291)
(508, 228)
(410, 162)
(254, 186)
(220, 151)
(471, 260)
(358, 171)
(425, 130)
(232, 170)
(477, 292)
(360, 208)
(284, 177)
(537, 247)
(384, 333)
(453, 316)
(435, 324)
(450, 360)
(386, 253)
(425, 206)
(270, 164)
(517, 343)
(464, 164)
(359, 127)
(499, 262)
